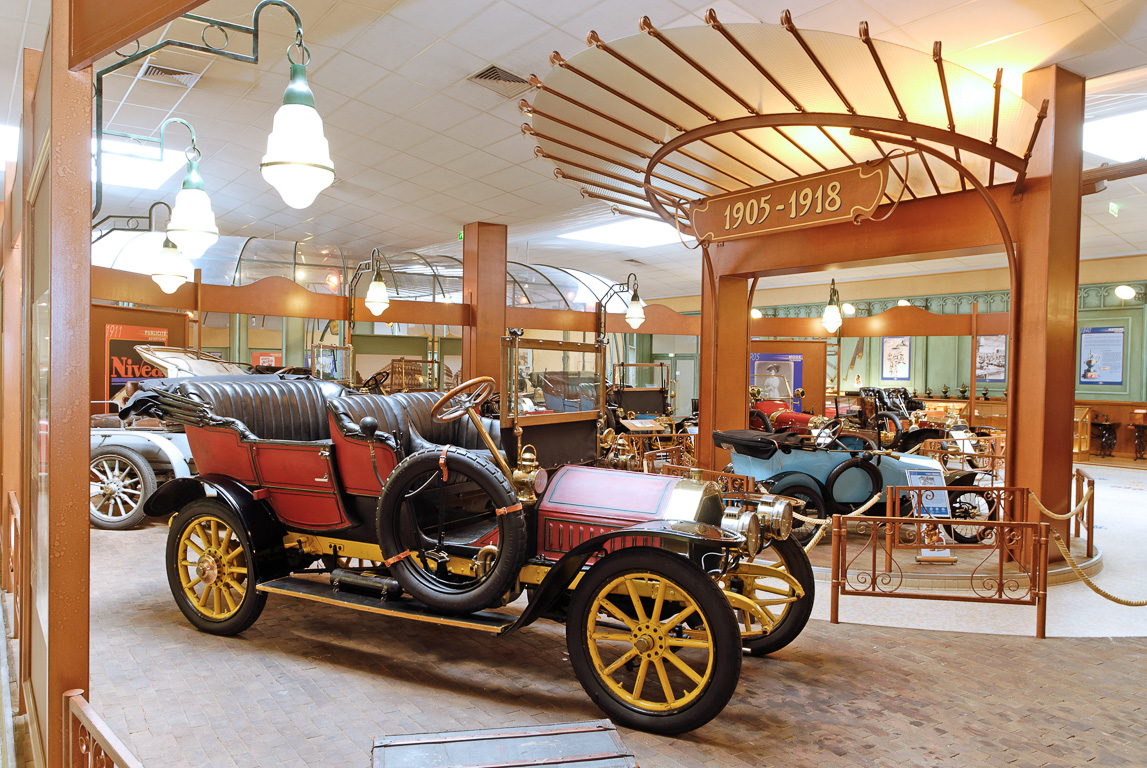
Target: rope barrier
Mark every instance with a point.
(1078, 507)
(1066, 552)
(822, 523)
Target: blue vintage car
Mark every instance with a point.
(834, 472)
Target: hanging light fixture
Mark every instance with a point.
(298, 160)
(192, 224)
(377, 299)
(832, 319)
(635, 314)
(171, 269)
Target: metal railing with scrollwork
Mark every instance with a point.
(1009, 558)
(88, 741)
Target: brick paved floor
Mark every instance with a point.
(312, 685)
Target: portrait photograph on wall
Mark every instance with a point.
(991, 358)
(896, 358)
(1101, 355)
(778, 375)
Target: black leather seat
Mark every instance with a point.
(274, 409)
(407, 416)
(761, 445)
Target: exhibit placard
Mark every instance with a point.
(931, 504)
(809, 201)
(1101, 355)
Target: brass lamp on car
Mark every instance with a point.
(530, 478)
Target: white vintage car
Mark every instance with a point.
(130, 458)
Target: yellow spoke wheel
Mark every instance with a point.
(780, 582)
(653, 641)
(209, 567)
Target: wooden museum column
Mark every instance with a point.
(1039, 453)
(484, 290)
(724, 402)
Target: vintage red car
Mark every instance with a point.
(404, 505)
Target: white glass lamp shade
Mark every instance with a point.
(1125, 292)
(377, 299)
(635, 315)
(849, 309)
(298, 160)
(192, 223)
(171, 268)
(755, 313)
(831, 319)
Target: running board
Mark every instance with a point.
(484, 621)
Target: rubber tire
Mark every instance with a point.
(796, 617)
(722, 625)
(814, 507)
(869, 468)
(511, 532)
(253, 601)
(759, 420)
(147, 486)
(953, 530)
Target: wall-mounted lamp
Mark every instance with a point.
(848, 309)
(298, 160)
(171, 268)
(1125, 292)
(634, 313)
(831, 318)
(903, 303)
(755, 313)
(192, 223)
(377, 296)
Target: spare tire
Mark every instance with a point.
(442, 505)
(834, 476)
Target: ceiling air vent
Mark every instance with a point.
(500, 81)
(170, 76)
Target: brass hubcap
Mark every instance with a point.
(649, 640)
(208, 567)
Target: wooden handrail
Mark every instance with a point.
(88, 739)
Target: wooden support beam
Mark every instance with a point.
(1044, 374)
(484, 289)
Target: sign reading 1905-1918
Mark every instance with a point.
(810, 201)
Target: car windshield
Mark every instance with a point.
(179, 362)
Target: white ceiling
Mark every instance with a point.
(420, 151)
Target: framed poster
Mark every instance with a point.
(123, 363)
(896, 358)
(778, 375)
(991, 358)
(1101, 355)
(267, 358)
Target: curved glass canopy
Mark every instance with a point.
(409, 276)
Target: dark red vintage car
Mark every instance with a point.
(404, 505)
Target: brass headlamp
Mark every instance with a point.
(530, 478)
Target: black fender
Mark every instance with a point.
(961, 477)
(562, 573)
(909, 439)
(781, 480)
(263, 529)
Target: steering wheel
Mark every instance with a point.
(376, 381)
(834, 427)
(482, 386)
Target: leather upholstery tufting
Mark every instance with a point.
(408, 415)
(289, 409)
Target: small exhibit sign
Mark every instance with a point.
(931, 504)
(809, 201)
